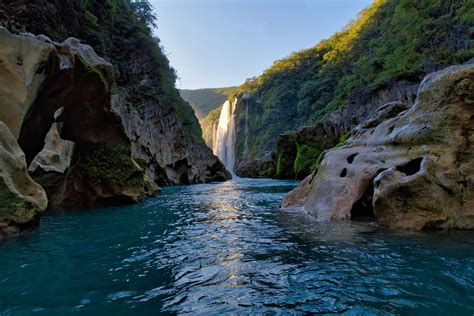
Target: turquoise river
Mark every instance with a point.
(215, 249)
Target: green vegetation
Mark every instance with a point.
(295, 160)
(342, 140)
(204, 101)
(207, 124)
(270, 171)
(306, 158)
(121, 32)
(389, 41)
(280, 165)
(10, 203)
(113, 167)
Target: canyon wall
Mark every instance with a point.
(309, 101)
(165, 134)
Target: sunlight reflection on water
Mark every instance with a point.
(227, 248)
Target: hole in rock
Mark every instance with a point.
(411, 167)
(350, 159)
(362, 209)
(344, 173)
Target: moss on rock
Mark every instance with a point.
(306, 157)
(113, 167)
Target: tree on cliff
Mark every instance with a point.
(144, 12)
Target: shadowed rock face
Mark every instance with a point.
(408, 168)
(168, 155)
(69, 86)
(78, 81)
(21, 199)
(24, 60)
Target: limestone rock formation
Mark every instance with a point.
(23, 70)
(168, 154)
(163, 130)
(56, 155)
(68, 85)
(22, 199)
(408, 168)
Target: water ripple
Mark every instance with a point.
(226, 248)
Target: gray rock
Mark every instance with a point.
(56, 155)
(160, 145)
(22, 200)
(407, 168)
(22, 60)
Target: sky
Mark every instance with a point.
(220, 43)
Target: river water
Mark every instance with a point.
(213, 249)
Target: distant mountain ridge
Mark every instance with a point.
(205, 100)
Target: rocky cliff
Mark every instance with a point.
(165, 134)
(406, 166)
(63, 90)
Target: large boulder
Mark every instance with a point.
(22, 201)
(407, 167)
(23, 69)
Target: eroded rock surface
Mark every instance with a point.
(160, 145)
(21, 199)
(408, 168)
(23, 66)
(56, 155)
(68, 85)
(167, 129)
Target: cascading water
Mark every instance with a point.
(214, 136)
(224, 142)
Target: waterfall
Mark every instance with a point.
(224, 142)
(214, 136)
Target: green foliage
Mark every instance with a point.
(389, 41)
(342, 140)
(280, 165)
(144, 12)
(204, 101)
(306, 158)
(117, 30)
(114, 167)
(270, 172)
(207, 124)
(92, 18)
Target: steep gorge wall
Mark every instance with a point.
(165, 135)
(380, 57)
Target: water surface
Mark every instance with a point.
(227, 248)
